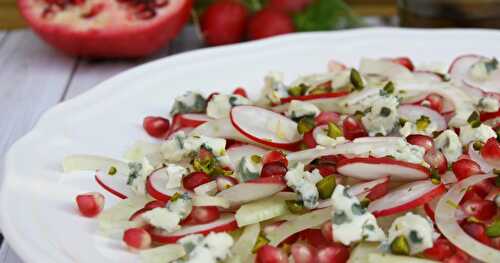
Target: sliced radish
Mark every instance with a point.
(156, 186)
(115, 184)
(430, 208)
(413, 113)
(192, 120)
(426, 75)
(236, 153)
(225, 223)
(476, 157)
(85, 162)
(406, 197)
(388, 139)
(370, 168)
(384, 67)
(361, 190)
(219, 128)
(265, 127)
(247, 192)
(459, 70)
(315, 96)
(335, 66)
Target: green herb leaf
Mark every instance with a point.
(326, 15)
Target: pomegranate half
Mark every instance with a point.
(106, 28)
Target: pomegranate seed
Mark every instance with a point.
(224, 182)
(95, 10)
(491, 151)
(333, 253)
(303, 253)
(464, 168)
(240, 91)
(471, 195)
(436, 160)
(405, 62)
(484, 187)
(90, 204)
(324, 169)
(195, 179)
(353, 128)
(273, 169)
(477, 231)
(378, 191)
(156, 127)
(314, 237)
(270, 254)
(154, 204)
(202, 215)
(137, 238)
(480, 209)
(327, 117)
(275, 156)
(435, 102)
(308, 139)
(441, 250)
(423, 141)
(326, 231)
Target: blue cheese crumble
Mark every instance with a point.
(418, 231)
(304, 184)
(274, 89)
(411, 128)
(449, 144)
(181, 146)
(299, 109)
(138, 173)
(190, 102)
(220, 105)
(482, 133)
(380, 113)
(249, 167)
(350, 221)
(174, 174)
(213, 248)
(169, 217)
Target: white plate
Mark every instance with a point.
(38, 214)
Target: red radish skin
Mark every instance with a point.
(109, 189)
(270, 254)
(353, 128)
(491, 152)
(327, 117)
(437, 160)
(275, 156)
(225, 223)
(137, 239)
(464, 168)
(308, 139)
(156, 126)
(195, 179)
(154, 204)
(154, 193)
(441, 250)
(95, 35)
(315, 96)
(324, 169)
(336, 66)
(225, 182)
(202, 215)
(90, 204)
(405, 62)
(489, 115)
(275, 179)
(268, 22)
(191, 120)
(303, 253)
(389, 205)
(223, 22)
(240, 91)
(326, 231)
(333, 253)
(347, 167)
(375, 188)
(378, 191)
(423, 141)
(436, 102)
(314, 237)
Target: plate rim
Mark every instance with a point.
(30, 253)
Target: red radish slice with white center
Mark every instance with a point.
(459, 70)
(429, 76)
(476, 157)
(247, 192)
(335, 66)
(370, 168)
(389, 139)
(315, 96)
(406, 197)
(192, 120)
(156, 186)
(225, 223)
(115, 184)
(413, 112)
(265, 127)
(361, 190)
(236, 153)
(448, 178)
(430, 207)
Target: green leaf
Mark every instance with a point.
(326, 15)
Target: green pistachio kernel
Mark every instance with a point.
(435, 177)
(384, 112)
(175, 197)
(493, 230)
(400, 246)
(474, 120)
(389, 88)
(334, 131)
(402, 122)
(356, 79)
(365, 202)
(256, 159)
(112, 170)
(207, 166)
(423, 122)
(298, 90)
(322, 88)
(326, 186)
(359, 114)
(261, 241)
(477, 145)
(305, 124)
(295, 206)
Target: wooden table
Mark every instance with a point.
(35, 77)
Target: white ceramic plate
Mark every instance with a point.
(38, 214)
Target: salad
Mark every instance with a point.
(384, 163)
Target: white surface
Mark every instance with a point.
(38, 216)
